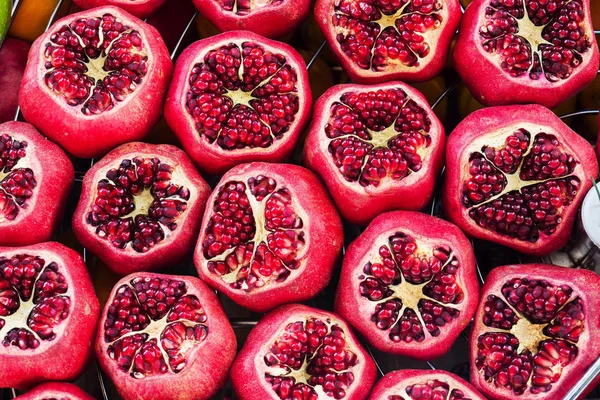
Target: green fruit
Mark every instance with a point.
(5, 8)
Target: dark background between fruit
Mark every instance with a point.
(324, 72)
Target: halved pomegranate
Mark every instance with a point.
(270, 235)
(96, 79)
(165, 337)
(378, 148)
(54, 391)
(48, 310)
(408, 284)
(139, 8)
(299, 352)
(238, 97)
(536, 331)
(140, 207)
(516, 175)
(383, 40)
(526, 51)
(35, 179)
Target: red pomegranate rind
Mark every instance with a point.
(165, 334)
(408, 284)
(129, 59)
(139, 8)
(378, 148)
(516, 175)
(55, 391)
(48, 308)
(238, 97)
(378, 41)
(297, 351)
(140, 207)
(270, 235)
(35, 179)
(535, 332)
(494, 54)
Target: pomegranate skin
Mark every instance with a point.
(360, 204)
(323, 235)
(75, 335)
(13, 58)
(490, 121)
(93, 136)
(176, 245)
(248, 370)
(54, 174)
(139, 8)
(491, 86)
(210, 157)
(56, 390)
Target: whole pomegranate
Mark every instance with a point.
(165, 337)
(54, 391)
(378, 148)
(140, 207)
(516, 175)
(35, 179)
(535, 332)
(526, 51)
(270, 235)
(48, 310)
(139, 8)
(238, 97)
(13, 58)
(299, 352)
(96, 79)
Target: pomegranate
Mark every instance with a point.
(163, 337)
(270, 235)
(516, 175)
(378, 41)
(13, 57)
(55, 391)
(96, 79)
(299, 352)
(378, 148)
(35, 179)
(48, 310)
(238, 97)
(139, 8)
(140, 207)
(536, 330)
(526, 51)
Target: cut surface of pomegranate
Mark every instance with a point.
(48, 309)
(35, 179)
(139, 8)
(378, 148)
(516, 175)
(299, 352)
(140, 207)
(526, 51)
(408, 284)
(96, 79)
(162, 337)
(55, 391)
(238, 97)
(270, 235)
(535, 332)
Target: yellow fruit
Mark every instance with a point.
(33, 16)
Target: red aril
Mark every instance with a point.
(516, 175)
(270, 235)
(378, 148)
(96, 79)
(35, 179)
(299, 352)
(139, 8)
(162, 337)
(140, 207)
(48, 315)
(13, 58)
(55, 391)
(238, 97)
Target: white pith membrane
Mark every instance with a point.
(440, 388)
(245, 7)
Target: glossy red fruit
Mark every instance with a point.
(139, 8)
(35, 179)
(379, 41)
(299, 352)
(378, 148)
(535, 332)
(270, 235)
(516, 175)
(48, 310)
(545, 55)
(238, 97)
(55, 390)
(163, 337)
(140, 207)
(13, 58)
(96, 79)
